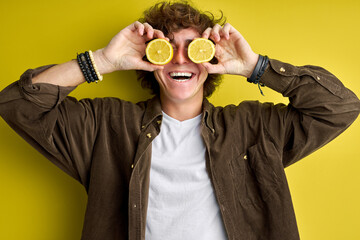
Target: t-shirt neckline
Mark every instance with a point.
(188, 122)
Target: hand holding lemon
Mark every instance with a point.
(127, 49)
(233, 52)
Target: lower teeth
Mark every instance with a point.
(181, 79)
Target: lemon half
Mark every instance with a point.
(159, 51)
(201, 50)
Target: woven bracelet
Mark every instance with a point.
(259, 71)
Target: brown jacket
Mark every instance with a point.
(106, 145)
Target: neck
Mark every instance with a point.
(182, 110)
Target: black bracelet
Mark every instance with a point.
(259, 70)
(263, 67)
(87, 69)
(82, 67)
(91, 66)
(253, 76)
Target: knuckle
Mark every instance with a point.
(138, 24)
(158, 32)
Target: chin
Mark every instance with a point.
(179, 97)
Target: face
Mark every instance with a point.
(181, 80)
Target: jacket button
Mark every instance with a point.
(158, 122)
(223, 208)
(245, 157)
(132, 165)
(282, 70)
(134, 205)
(148, 135)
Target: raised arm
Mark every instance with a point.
(62, 128)
(320, 107)
(124, 52)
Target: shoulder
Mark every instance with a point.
(244, 108)
(246, 113)
(104, 106)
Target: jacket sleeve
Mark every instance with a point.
(44, 116)
(320, 109)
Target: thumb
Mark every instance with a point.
(213, 68)
(146, 66)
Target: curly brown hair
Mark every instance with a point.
(170, 17)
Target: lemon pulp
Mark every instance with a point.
(201, 50)
(159, 51)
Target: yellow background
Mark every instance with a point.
(39, 202)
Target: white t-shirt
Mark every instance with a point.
(182, 203)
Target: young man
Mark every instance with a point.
(176, 167)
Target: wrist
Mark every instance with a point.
(250, 65)
(102, 63)
(259, 70)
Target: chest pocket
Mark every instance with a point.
(254, 177)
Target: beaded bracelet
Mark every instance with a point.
(88, 67)
(84, 68)
(91, 66)
(100, 77)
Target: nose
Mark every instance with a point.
(180, 56)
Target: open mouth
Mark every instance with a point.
(181, 76)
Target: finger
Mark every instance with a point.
(233, 31)
(213, 68)
(159, 34)
(215, 33)
(138, 27)
(206, 33)
(149, 30)
(146, 66)
(225, 31)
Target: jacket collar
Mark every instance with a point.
(152, 111)
(208, 109)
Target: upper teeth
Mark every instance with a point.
(180, 74)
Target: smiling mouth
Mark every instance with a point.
(181, 76)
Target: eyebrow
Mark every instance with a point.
(187, 41)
